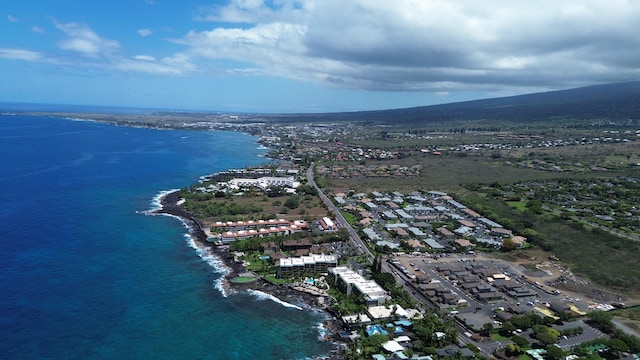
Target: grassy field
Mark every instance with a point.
(309, 207)
(449, 173)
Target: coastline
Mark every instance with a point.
(285, 294)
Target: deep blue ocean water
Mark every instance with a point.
(85, 274)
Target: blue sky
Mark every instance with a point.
(309, 55)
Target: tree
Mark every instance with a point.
(292, 202)
(536, 319)
(376, 267)
(512, 350)
(508, 244)
(548, 336)
(555, 352)
(486, 329)
(617, 345)
(602, 320)
(521, 322)
(507, 329)
(520, 341)
(307, 190)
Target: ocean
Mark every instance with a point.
(87, 273)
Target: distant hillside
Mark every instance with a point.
(609, 101)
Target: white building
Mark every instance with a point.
(348, 281)
(312, 264)
(264, 182)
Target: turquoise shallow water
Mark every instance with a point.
(85, 273)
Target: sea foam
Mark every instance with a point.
(264, 296)
(215, 262)
(156, 202)
(204, 252)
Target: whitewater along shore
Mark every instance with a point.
(169, 205)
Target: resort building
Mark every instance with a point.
(348, 281)
(312, 264)
(227, 237)
(264, 182)
(256, 224)
(226, 232)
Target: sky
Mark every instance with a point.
(309, 55)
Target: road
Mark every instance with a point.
(486, 348)
(356, 241)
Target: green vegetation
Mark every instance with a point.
(242, 279)
(351, 219)
(583, 246)
(347, 305)
(619, 340)
(205, 206)
(274, 280)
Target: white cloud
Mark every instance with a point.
(440, 46)
(37, 29)
(21, 54)
(177, 65)
(144, 32)
(144, 58)
(12, 19)
(428, 45)
(102, 54)
(83, 40)
(253, 11)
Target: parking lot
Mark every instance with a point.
(478, 290)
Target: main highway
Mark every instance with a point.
(355, 239)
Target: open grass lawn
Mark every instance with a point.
(351, 219)
(518, 205)
(243, 280)
(274, 280)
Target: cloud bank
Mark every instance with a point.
(440, 46)
(428, 45)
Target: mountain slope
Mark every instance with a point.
(610, 101)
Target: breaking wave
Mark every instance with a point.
(264, 296)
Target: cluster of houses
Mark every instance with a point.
(226, 232)
(410, 218)
(485, 283)
(397, 323)
(368, 171)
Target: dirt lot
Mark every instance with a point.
(546, 269)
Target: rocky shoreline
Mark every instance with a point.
(169, 206)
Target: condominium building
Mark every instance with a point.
(312, 264)
(348, 281)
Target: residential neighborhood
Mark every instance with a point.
(437, 251)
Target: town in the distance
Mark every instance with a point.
(508, 238)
